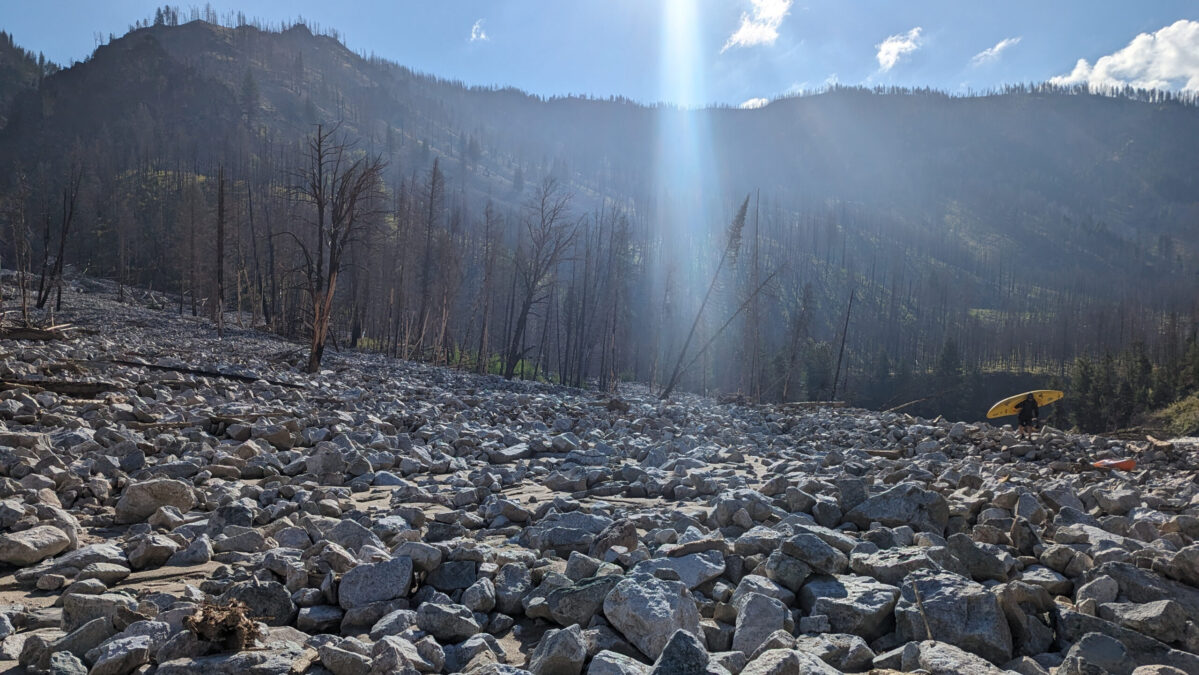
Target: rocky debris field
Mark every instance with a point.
(176, 503)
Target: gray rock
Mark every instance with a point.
(375, 582)
(694, 569)
(31, 546)
(66, 663)
(140, 500)
(892, 565)
(342, 661)
(277, 659)
(452, 576)
(684, 654)
(787, 571)
(580, 602)
(512, 582)
(939, 658)
(1102, 589)
(904, 504)
(1163, 620)
(268, 601)
(480, 597)
(107, 573)
(1071, 626)
(199, 552)
(757, 617)
(320, 619)
(559, 652)
(1096, 653)
(957, 610)
(447, 623)
(80, 609)
(788, 662)
(848, 653)
(648, 610)
(814, 552)
(152, 551)
(611, 663)
(981, 564)
(856, 605)
(121, 655)
(395, 654)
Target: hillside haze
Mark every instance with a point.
(1001, 235)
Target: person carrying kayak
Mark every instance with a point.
(1029, 416)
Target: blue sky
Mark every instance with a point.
(709, 51)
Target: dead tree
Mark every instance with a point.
(19, 231)
(342, 190)
(484, 305)
(549, 235)
(731, 247)
(432, 216)
(219, 306)
(70, 197)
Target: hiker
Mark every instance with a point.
(1029, 416)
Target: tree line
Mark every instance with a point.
(409, 219)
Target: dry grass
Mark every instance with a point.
(228, 626)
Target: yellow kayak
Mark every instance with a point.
(1008, 405)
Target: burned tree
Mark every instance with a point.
(548, 235)
(53, 282)
(342, 189)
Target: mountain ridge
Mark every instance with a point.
(1039, 211)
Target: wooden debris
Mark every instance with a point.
(34, 333)
(1157, 444)
(200, 372)
(86, 389)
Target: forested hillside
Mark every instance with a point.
(987, 242)
(20, 70)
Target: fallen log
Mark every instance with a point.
(31, 333)
(199, 371)
(85, 389)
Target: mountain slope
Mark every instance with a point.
(1028, 225)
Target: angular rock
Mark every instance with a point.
(377, 582)
(33, 545)
(904, 504)
(648, 610)
(559, 652)
(856, 605)
(140, 500)
(957, 610)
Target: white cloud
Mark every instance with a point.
(753, 103)
(477, 34)
(761, 26)
(1167, 59)
(894, 47)
(993, 53)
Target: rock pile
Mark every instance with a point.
(388, 517)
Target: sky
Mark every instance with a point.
(698, 52)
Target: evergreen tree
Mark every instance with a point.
(1084, 401)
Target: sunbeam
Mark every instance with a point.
(684, 172)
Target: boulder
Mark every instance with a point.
(559, 652)
(648, 610)
(139, 501)
(32, 546)
(904, 504)
(955, 610)
(375, 582)
(856, 605)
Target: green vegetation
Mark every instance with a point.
(1123, 390)
(1180, 418)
